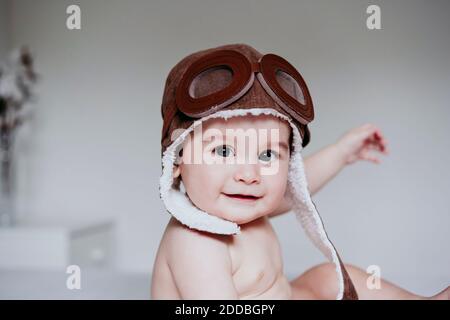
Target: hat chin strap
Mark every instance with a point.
(182, 208)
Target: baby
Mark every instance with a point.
(232, 141)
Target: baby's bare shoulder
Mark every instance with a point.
(202, 256)
(180, 241)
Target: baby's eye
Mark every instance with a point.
(268, 155)
(223, 150)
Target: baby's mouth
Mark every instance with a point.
(243, 197)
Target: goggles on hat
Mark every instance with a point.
(222, 77)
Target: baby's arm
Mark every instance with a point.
(354, 145)
(325, 164)
(201, 266)
(322, 166)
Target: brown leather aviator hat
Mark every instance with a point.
(231, 81)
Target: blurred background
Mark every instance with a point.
(85, 162)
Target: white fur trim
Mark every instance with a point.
(181, 207)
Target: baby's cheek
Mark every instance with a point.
(277, 188)
(204, 186)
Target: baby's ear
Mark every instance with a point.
(177, 164)
(176, 171)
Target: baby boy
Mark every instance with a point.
(235, 122)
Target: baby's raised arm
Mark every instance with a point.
(201, 265)
(356, 144)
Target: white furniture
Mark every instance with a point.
(57, 244)
(96, 283)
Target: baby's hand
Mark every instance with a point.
(357, 144)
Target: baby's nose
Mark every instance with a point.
(248, 173)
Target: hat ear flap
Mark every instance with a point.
(309, 217)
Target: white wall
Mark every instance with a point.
(4, 28)
(94, 147)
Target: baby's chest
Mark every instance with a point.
(256, 261)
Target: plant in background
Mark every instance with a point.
(17, 79)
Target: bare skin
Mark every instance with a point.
(192, 264)
(247, 266)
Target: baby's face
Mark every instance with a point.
(239, 178)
